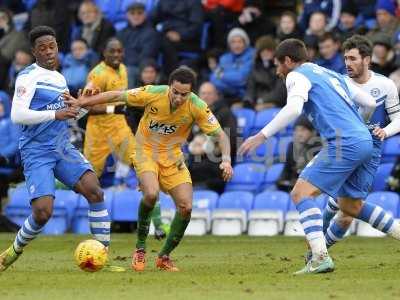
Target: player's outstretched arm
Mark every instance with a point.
(286, 115)
(102, 98)
(225, 148)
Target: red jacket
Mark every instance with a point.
(232, 5)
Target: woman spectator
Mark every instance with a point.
(264, 88)
(230, 76)
(288, 27)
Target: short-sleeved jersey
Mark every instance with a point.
(108, 79)
(384, 91)
(328, 102)
(163, 130)
(42, 89)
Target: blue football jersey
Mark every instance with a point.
(328, 102)
(40, 89)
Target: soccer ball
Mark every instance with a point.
(91, 255)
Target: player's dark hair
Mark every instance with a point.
(40, 31)
(110, 40)
(183, 75)
(359, 42)
(292, 48)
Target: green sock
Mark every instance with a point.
(156, 216)
(178, 227)
(143, 224)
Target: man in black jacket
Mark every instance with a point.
(204, 158)
(141, 41)
(180, 23)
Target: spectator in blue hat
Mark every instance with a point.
(387, 23)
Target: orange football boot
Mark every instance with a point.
(166, 264)
(139, 260)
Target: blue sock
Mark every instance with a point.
(99, 222)
(329, 212)
(334, 234)
(311, 220)
(376, 216)
(28, 232)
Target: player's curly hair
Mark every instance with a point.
(184, 75)
(359, 42)
(295, 49)
(40, 31)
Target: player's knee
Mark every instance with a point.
(185, 209)
(42, 214)
(297, 195)
(150, 196)
(95, 195)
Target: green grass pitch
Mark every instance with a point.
(211, 268)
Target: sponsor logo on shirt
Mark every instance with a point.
(55, 106)
(162, 128)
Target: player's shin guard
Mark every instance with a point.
(334, 234)
(143, 225)
(311, 220)
(329, 212)
(28, 232)
(377, 217)
(99, 222)
(178, 227)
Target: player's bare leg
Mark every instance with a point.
(150, 189)
(182, 195)
(372, 214)
(42, 209)
(303, 195)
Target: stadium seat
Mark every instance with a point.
(381, 176)
(267, 216)
(272, 175)
(245, 120)
(281, 148)
(125, 205)
(247, 177)
(389, 201)
(391, 149)
(292, 224)
(18, 208)
(58, 223)
(264, 153)
(230, 216)
(263, 117)
(204, 202)
(70, 199)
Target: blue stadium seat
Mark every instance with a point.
(70, 199)
(245, 120)
(381, 175)
(166, 201)
(247, 177)
(389, 201)
(281, 147)
(126, 205)
(58, 223)
(204, 199)
(391, 149)
(263, 117)
(18, 208)
(264, 153)
(272, 175)
(273, 200)
(236, 200)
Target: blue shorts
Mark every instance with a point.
(345, 171)
(41, 166)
